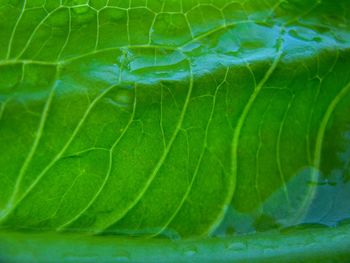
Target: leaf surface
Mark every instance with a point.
(171, 117)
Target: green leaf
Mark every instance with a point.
(173, 118)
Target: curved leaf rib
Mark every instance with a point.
(59, 155)
(110, 165)
(162, 158)
(199, 162)
(278, 150)
(320, 138)
(68, 35)
(31, 37)
(245, 112)
(9, 48)
(14, 196)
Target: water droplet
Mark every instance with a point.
(190, 251)
(236, 246)
(122, 255)
(121, 97)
